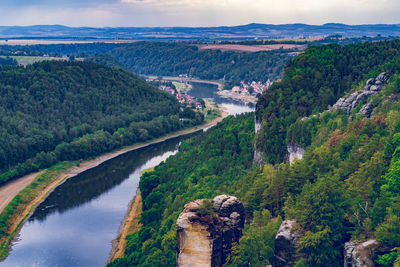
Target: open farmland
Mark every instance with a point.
(26, 60)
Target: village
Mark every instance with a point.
(182, 98)
(246, 92)
(253, 88)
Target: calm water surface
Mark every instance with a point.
(75, 225)
(202, 90)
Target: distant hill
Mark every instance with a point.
(253, 30)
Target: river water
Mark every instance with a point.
(75, 225)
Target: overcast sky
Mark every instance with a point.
(135, 13)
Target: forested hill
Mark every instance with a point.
(57, 110)
(343, 194)
(172, 59)
(209, 164)
(312, 81)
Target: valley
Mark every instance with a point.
(208, 151)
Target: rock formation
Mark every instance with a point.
(286, 244)
(206, 234)
(372, 87)
(362, 254)
(294, 152)
(258, 155)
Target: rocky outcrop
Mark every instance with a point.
(294, 152)
(363, 254)
(372, 87)
(286, 244)
(258, 155)
(257, 126)
(205, 235)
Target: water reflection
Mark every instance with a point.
(74, 226)
(92, 183)
(232, 107)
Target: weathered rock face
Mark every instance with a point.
(362, 254)
(372, 87)
(294, 152)
(206, 239)
(258, 155)
(257, 126)
(286, 244)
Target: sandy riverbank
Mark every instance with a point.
(130, 225)
(238, 97)
(10, 190)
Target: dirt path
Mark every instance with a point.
(11, 189)
(129, 226)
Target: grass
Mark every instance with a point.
(14, 215)
(182, 87)
(146, 170)
(26, 60)
(8, 225)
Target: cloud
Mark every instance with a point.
(195, 12)
(54, 3)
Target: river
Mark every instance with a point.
(75, 225)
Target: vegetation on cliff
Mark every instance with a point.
(215, 162)
(313, 81)
(346, 187)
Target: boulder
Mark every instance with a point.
(362, 254)
(375, 88)
(383, 77)
(372, 87)
(286, 244)
(371, 81)
(206, 239)
(366, 110)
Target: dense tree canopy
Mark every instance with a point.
(172, 59)
(345, 188)
(313, 81)
(54, 111)
(7, 61)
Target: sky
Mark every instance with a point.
(140, 13)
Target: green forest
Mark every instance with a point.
(172, 59)
(346, 187)
(214, 162)
(7, 61)
(55, 110)
(168, 59)
(313, 81)
(74, 49)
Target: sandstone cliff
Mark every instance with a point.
(207, 229)
(286, 244)
(362, 254)
(372, 87)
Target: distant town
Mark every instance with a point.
(182, 98)
(246, 92)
